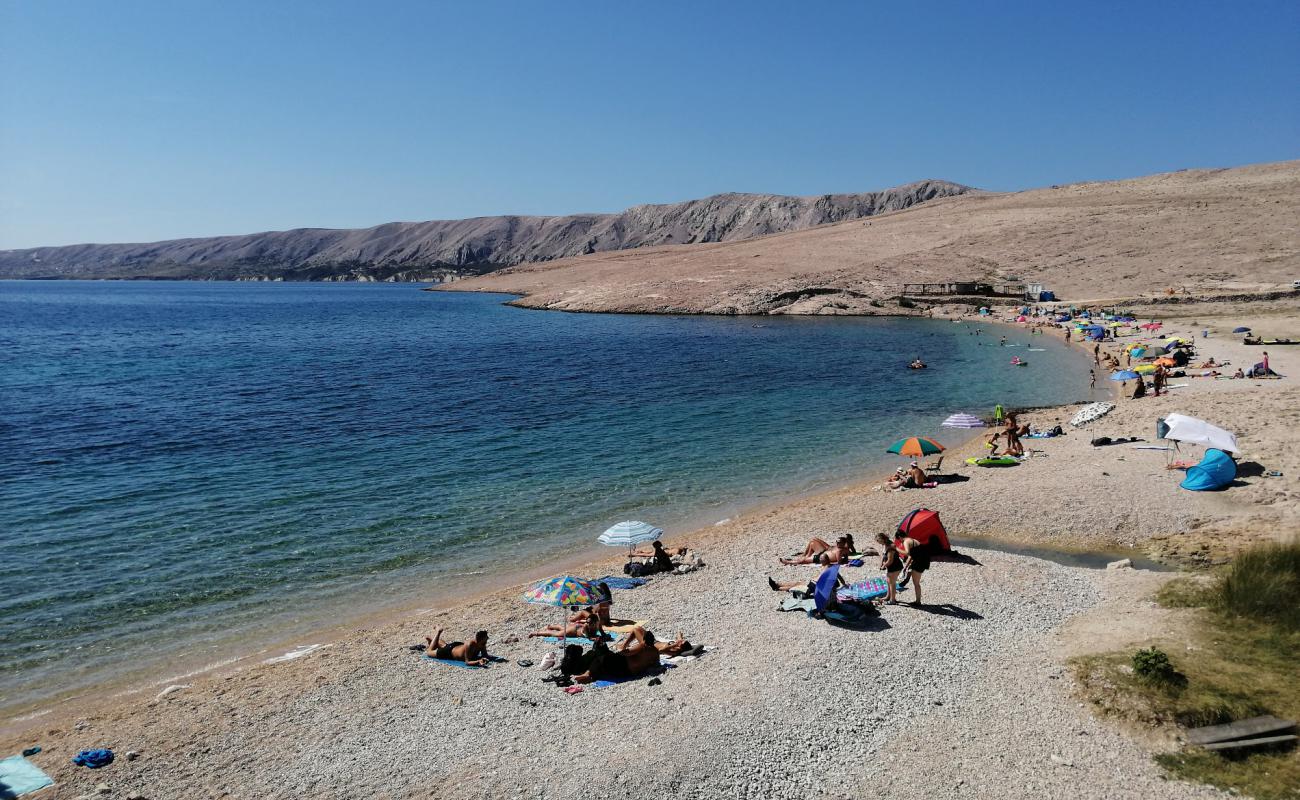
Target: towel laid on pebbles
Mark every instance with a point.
(618, 582)
(613, 637)
(18, 776)
(453, 662)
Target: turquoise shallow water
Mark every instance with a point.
(184, 463)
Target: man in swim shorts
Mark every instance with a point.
(473, 653)
(635, 655)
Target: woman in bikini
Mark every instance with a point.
(916, 558)
(589, 628)
(819, 552)
(892, 563)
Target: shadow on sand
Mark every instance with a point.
(948, 610)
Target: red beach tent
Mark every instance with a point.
(924, 526)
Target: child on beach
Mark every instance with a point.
(892, 564)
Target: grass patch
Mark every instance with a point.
(1186, 593)
(1242, 661)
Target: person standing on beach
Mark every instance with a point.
(916, 560)
(1067, 335)
(892, 563)
(1096, 354)
(1092, 379)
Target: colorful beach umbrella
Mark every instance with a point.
(915, 446)
(963, 421)
(564, 591)
(1124, 375)
(630, 533)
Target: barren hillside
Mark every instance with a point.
(448, 248)
(1203, 231)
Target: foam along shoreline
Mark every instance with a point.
(364, 716)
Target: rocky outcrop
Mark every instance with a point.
(446, 249)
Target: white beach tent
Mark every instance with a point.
(630, 533)
(1183, 428)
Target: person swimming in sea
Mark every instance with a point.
(473, 653)
(917, 363)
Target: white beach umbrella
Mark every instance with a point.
(630, 533)
(963, 421)
(1183, 428)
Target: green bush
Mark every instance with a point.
(1263, 584)
(1152, 664)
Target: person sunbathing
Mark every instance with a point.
(473, 653)
(1210, 363)
(602, 612)
(677, 647)
(635, 655)
(589, 628)
(819, 552)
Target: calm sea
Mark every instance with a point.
(186, 466)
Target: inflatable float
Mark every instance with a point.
(995, 461)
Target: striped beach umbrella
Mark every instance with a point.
(915, 446)
(630, 533)
(963, 421)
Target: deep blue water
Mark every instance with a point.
(183, 463)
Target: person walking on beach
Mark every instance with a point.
(1096, 354)
(1092, 379)
(1067, 335)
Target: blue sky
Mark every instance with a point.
(136, 121)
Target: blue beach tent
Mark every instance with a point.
(1215, 471)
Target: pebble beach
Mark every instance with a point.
(965, 696)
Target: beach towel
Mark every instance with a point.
(804, 604)
(18, 776)
(618, 582)
(659, 670)
(613, 637)
(452, 662)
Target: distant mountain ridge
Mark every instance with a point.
(446, 249)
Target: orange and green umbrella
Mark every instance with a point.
(915, 446)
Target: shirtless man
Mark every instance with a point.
(474, 653)
(916, 476)
(634, 656)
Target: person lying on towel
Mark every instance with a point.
(473, 653)
(636, 655)
(590, 628)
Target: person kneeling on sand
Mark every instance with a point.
(916, 559)
(589, 628)
(636, 655)
(474, 653)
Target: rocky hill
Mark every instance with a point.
(444, 249)
(1181, 234)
